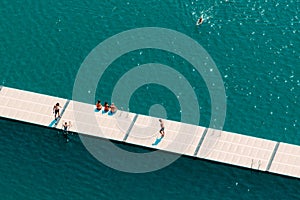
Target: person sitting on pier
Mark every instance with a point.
(113, 108)
(56, 111)
(106, 107)
(98, 105)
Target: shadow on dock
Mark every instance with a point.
(52, 123)
(157, 141)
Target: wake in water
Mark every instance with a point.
(205, 14)
(209, 11)
(232, 11)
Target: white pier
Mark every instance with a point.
(236, 149)
(190, 140)
(286, 160)
(179, 138)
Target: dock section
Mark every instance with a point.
(287, 160)
(237, 149)
(86, 120)
(28, 106)
(180, 138)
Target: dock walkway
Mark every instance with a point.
(190, 140)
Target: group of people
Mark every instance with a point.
(112, 108)
(66, 126)
(106, 107)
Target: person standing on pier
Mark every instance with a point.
(162, 128)
(56, 111)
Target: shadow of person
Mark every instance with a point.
(111, 113)
(157, 141)
(104, 112)
(52, 123)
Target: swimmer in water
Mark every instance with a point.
(66, 128)
(200, 20)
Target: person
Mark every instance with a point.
(106, 107)
(56, 111)
(200, 20)
(98, 105)
(66, 128)
(113, 108)
(162, 128)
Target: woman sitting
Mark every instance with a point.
(106, 107)
(113, 108)
(98, 105)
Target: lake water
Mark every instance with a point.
(255, 45)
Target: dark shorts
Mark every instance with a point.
(162, 129)
(56, 111)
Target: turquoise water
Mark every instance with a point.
(255, 45)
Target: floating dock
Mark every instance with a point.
(190, 140)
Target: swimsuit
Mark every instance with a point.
(56, 109)
(98, 106)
